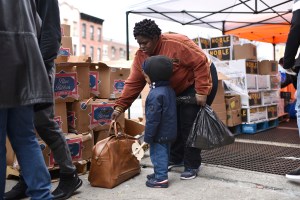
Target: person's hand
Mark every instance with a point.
(201, 99)
(115, 115)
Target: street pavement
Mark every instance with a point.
(213, 183)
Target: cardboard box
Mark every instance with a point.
(251, 66)
(71, 82)
(280, 107)
(65, 30)
(268, 67)
(251, 82)
(254, 99)
(272, 111)
(249, 115)
(108, 81)
(222, 53)
(202, 42)
(263, 82)
(80, 146)
(94, 115)
(233, 102)
(61, 116)
(224, 41)
(133, 127)
(222, 116)
(266, 98)
(275, 83)
(65, 50)
(262, 113)
(234, 117)
(245, 51)
(219, 107)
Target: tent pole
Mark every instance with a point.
(127, 48)
(127, 37)
(274, 51)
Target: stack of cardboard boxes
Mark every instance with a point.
(257, 82)
(85, 95)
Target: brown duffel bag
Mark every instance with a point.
(112, 161)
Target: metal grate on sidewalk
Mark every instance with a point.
(254, 157)
(279, 134)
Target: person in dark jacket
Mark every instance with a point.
(24, 88)
(194, 75)
(161, 121)
(289, 62)
(288, 78)
(47, 128)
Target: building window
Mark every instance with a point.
(113, 52)
(105, 50)
(122, 53)
(99, 54)
(65, 21)
(83, 30)
(83, 50)
(99, 34)
(75, 29)
(92, 32)
(74, 49)
(92, 53)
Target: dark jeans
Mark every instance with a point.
(186, 114)
(52, 135)
(17, 124)
(159, 155)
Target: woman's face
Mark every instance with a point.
(146, 44)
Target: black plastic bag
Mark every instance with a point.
(208, 131)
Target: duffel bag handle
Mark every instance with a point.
(118, 130)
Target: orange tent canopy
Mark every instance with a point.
(274, 34)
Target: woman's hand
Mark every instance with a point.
(201, 99)
(115, 115)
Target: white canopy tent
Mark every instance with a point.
(223, 15)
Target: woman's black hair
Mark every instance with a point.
(147, 28)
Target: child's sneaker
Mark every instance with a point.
(153, 183)
(150, 176)
(189, 174)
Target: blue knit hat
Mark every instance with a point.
(158, 68)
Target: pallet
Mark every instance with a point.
(236, 130)
(259, 127)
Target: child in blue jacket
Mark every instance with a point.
(161, 120)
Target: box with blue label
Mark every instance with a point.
(107, 80)
(72, 80)
(92, 114)
(80, 147)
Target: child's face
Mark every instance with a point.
(147, 78)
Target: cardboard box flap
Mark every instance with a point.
(119, 63)
(75, 59)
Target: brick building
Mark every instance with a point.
(91, 41)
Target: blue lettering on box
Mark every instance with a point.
(118, 86)
(101, 114)
(65, 85)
